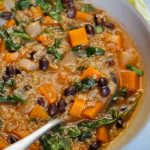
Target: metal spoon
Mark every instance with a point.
(27, 141)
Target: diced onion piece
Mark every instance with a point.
(27, 65)
(34, 29)
(127, 58)
(9, 4)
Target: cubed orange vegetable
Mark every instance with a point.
(129, 79)
(82, 16)
(34, 146)
(90, 72)
(2, 46)
(3, 144)
(77, 108)
(102, 134)
(78, 37)
(11, 57)
(38, 112)
(49, 92)
(36, 12)
(47, 21)
(93, 111)
(10, 23)
(45, 40)
(2, 7)
(20, 134)
(125, 57)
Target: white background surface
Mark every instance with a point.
(142, 141)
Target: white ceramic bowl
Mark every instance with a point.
(139, 32)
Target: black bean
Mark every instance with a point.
(105, 91)
(10, 71)
(18, 71)
(43, 64)
(102, 82)
(71, 12)
(70, 91)
(41, 101)
(95, 145)
(6, 15)
(110, 25)
(120, 123)
(89, 29)
(12, 139)
(61, 106)
(52, 110)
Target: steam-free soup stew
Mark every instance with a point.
(64, 58)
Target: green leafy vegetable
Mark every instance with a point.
(87, 8)
(10, 45)
(90, 51)
(2, 89)
(11, 99)
(98, 29)
(136, 70)
(44, 5)
(10, 82)
(53, 50)
(84, 135)
(22, 35)
(74, 132)
(56, 10)
(85, 84)
(57, 43)
(23, 4)
(54, 143)
(120, 93)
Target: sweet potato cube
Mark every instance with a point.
(49, 92)
(38, 112)
(102, 134)
(2, 46)
(11, 57)
(44, 39)
(82, 16)
(77, 108)
(36, 12)
(129, 79)
(21, 134)
(78, 37)
(3, 144)
(10, 23)
(92, 112)
(90, 72)
(47, 21)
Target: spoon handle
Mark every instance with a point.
(27, 141)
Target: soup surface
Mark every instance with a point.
(64, 58)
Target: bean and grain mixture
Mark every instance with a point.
(64, 58)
